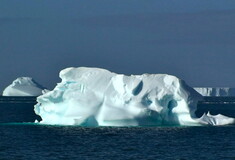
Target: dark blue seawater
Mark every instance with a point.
(22, 140)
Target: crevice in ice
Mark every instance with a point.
(146, 101)
(138, 88)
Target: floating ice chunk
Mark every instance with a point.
(24, 86)
(98, 97)
(217, 120)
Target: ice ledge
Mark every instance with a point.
(210, 91)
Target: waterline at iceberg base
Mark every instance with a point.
(98, 97)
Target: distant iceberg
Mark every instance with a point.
(24, 86)
(98, 97)
(209, 91)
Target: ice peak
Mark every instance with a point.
(24, 86)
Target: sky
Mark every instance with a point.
(193, 40)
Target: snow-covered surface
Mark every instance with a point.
(24, 86)
(98, 97)
(209, 91)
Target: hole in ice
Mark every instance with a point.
(171, 104)
(146, 101)
(138, 88)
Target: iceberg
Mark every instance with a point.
(24, 86)
(98, 97)
(209, 91)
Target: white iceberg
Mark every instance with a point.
(98, 97)
(209, 91)
(24, 86)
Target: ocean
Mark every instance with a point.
(21, 139)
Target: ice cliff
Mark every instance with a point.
(98, 97)
(24, 86)
(209, 91)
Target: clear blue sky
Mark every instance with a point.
(192, 39)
